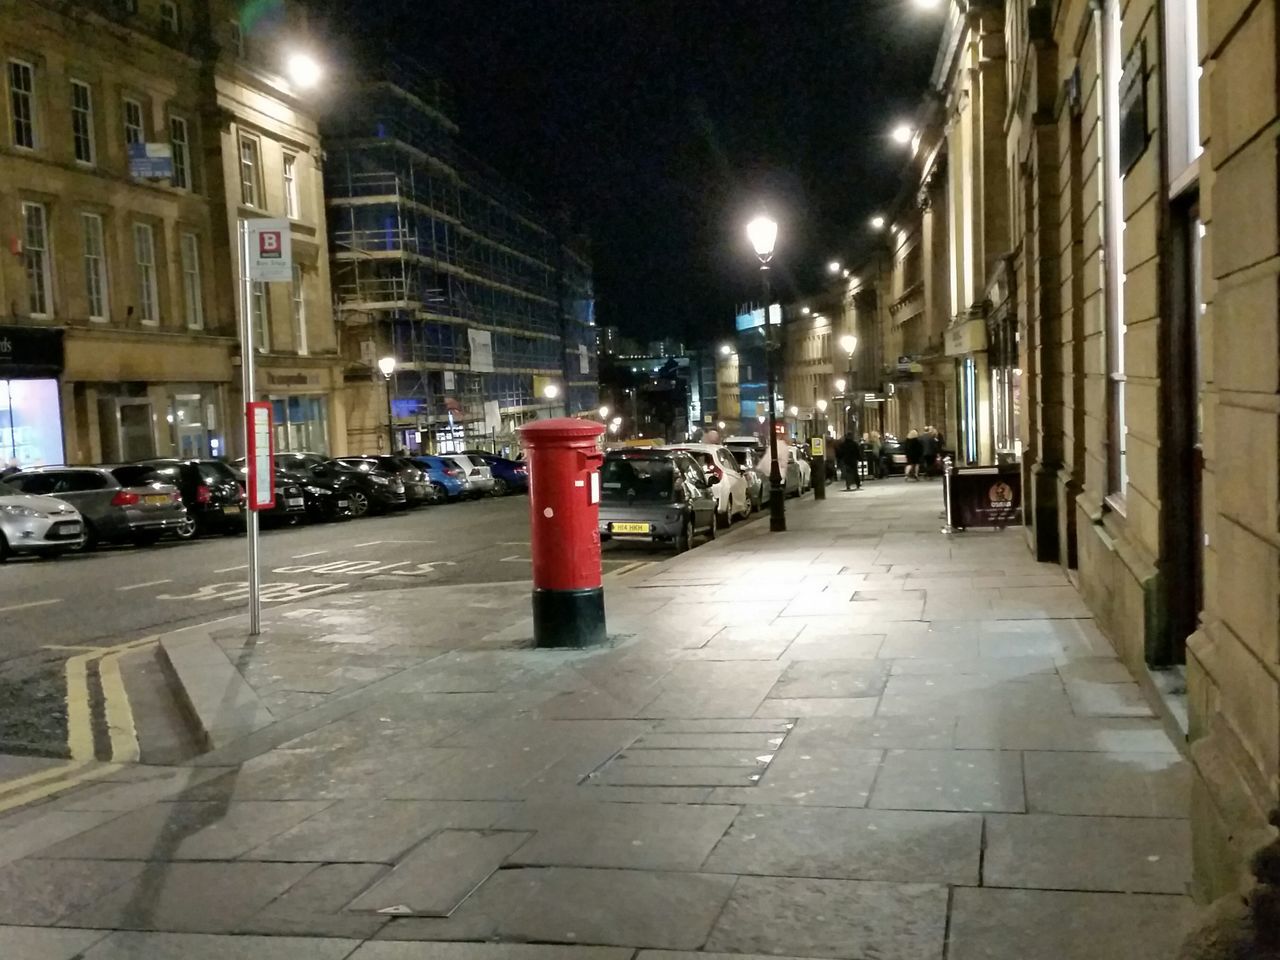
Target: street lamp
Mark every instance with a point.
(763, 234)
(902, 134)
(849, 343)
(725, 349)
(805, 311)
(604, 413)
(388, 366)
(303, 70)
(834, 266)
(795, 411)
(551, 391)
(877, 222)
(840, 385)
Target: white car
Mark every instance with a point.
(478, 474)
(45, 526)
(728, 485)
(797, 475)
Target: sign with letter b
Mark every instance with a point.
(270, 250)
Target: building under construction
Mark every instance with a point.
(485, 303)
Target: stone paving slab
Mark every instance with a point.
(43, 892)
(316, 904)
(171, 946)
(1108, 784)
(833, 918)
(851, 845)
(36, 943)
(981, 780)
(437, 876)
(991, 924)
(487, 951)
(813, 776)
(1088, 853)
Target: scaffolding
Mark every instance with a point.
(438, 260)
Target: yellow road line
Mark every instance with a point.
(79, 712)
(62, 769)
(119, 712)
(48, 789)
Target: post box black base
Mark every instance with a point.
(568, 618)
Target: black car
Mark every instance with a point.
(367, 492)
(326, 500)
(417, 485)
(291, 499)
(893, 455)
(211, 492)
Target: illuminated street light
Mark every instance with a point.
(720, 424)
(928, 4)
(805, 311)
(822, 406)
(846, 274)
(902, 134)
(303, 71)
(840, 385)
(388, 366)
(877, 222)
(763, 234)
(834, 266)
(551, 391)
(613, 427)
(795, 411)
(604, 413)
(725, 349)
(849, 343)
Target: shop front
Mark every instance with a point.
(31, 362)
(966, 344)
(305, 418)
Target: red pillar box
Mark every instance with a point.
(564, 514)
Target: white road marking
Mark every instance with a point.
(374, 543)
(243, 566)
(313, 553)
(28, 606)
(139, 586)
(514, 543)
(516, 560)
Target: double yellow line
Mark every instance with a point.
(122, 732)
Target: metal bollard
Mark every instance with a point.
(946, 494)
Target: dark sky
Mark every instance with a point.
(664, 124)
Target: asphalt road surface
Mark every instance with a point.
(51, 610)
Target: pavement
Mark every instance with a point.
(858, 740)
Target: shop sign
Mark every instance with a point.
(967, 337)
(30, 352)
(293, 378)
(1133, 107)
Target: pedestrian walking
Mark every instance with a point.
(850, 456)
(929, 451)
(875, 455)
(914, 451)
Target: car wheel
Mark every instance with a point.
(89, 543)
(500, 488)
(358, 501)
(187, 530)
(684, 539)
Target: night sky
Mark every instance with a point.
(663, 125)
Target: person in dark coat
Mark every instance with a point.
(914, 450)
(929, 451)
(850, 457)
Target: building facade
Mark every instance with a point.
(119, 294)
(485, 303)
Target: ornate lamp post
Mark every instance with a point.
(763, 234)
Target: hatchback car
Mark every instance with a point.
(44, 526)
(509, 476)
(370, 492)
(479, 474)
(660, 496)
(130, 503)
(210, 491)
(449, 479)
(733, 495)
(417, 486)
(290, 496)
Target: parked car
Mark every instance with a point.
(893, 455)
(290, 495)
(757, 481)
(371, 492)
(660, 496)
(210, 491)
(417, 487)
(509, 476)
(479, 474)
(130, 503)
(733, 496)
(449, 479)
(44, 526)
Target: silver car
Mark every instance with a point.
(38, 525)
(479, 475)
(130, 503)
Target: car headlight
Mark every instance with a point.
(318, 491)
(379, 480)
(13, 510)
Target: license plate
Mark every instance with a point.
(343, 503)
(231, 510)
(899, 458)
(155, 500)
(295, 502)
(72, 527)
(629, 528)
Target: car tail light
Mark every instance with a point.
(522, 470)
(125, 498)
(456, 473)
(176, 497)
(202, 494)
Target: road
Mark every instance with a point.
(53, 610)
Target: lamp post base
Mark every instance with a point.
(777, 509)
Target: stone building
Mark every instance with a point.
(120, 127)
(1116, 249)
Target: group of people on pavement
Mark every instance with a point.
(923, 450)
(854, 456)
